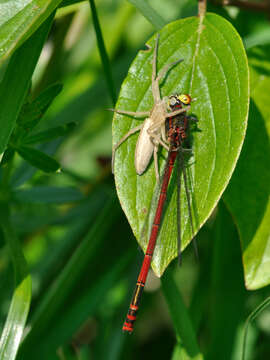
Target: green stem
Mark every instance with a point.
(103, 53)
(202, 4)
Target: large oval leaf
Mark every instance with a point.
(215, 72)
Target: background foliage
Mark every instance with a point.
(63, 233)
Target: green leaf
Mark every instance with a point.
(38, 159)
(48, 135)
(20, 302)
(20, 19)
(247, 196)
(182, 323)
(15, 83)
(48, 194)
(215, 72)
(33, 111)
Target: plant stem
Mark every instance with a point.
(103, 53)
(202, 4)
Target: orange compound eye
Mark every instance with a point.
(185, 99)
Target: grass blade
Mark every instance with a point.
(250, 318)
(149, 13)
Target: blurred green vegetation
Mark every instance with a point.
(79, 249)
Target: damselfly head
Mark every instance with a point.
(185, 99)
(176, 101)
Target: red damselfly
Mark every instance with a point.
(177, 132)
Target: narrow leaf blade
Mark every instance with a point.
(48, 135)
(33, 111)
(21, 66)
(48, 194)
(38, 159)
